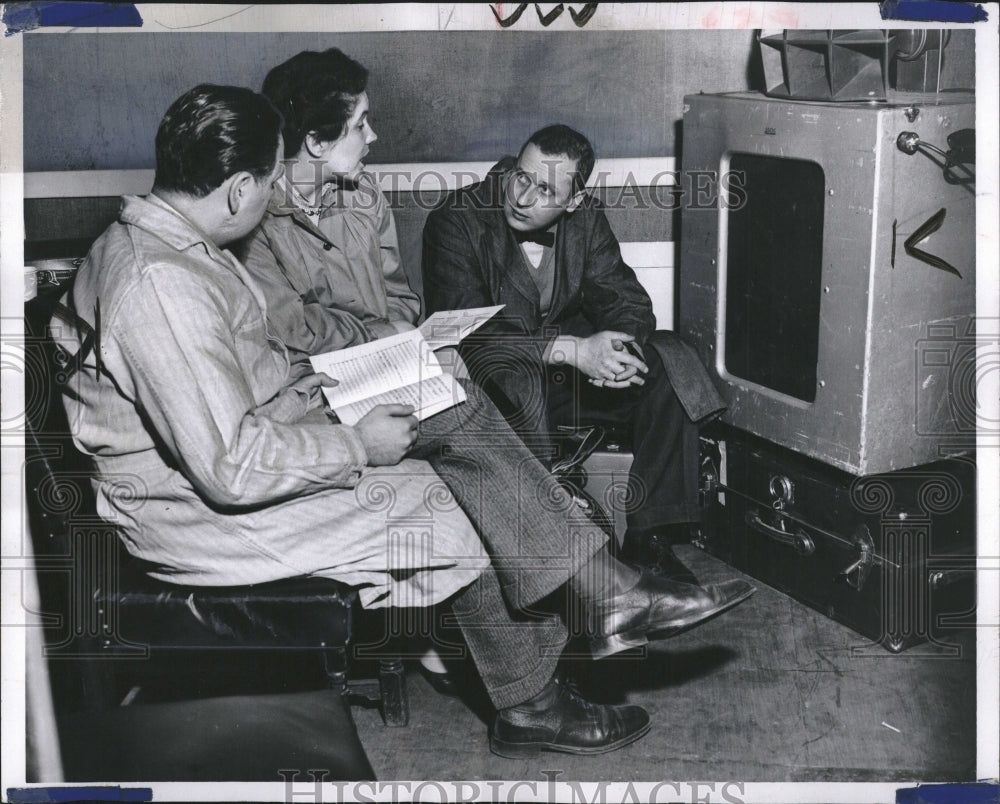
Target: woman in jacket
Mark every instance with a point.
(326, 252)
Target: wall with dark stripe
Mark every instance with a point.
(93, 101)
(66, 227)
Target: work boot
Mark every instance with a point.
(558, 719)
(656, 608)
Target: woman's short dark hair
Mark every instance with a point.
(315, 92)
(562, 140)
(211, 132)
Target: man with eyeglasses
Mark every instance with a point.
(576, 341)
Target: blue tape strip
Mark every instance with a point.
(977, 793)
(932, 11)
(56, 795)
(21, 17)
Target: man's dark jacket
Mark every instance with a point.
(472, 259)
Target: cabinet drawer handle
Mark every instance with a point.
(799, 540)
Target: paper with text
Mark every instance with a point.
(398, 369)
(428, 397)
(448, 327)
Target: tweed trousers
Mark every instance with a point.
(536, 536)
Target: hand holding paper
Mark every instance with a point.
(400, 369)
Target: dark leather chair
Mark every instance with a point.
(102, 608)
(277, 738)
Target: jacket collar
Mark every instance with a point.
(154, 215)
(488, 193)
(280, 206)
(508, 261)
(281, 201)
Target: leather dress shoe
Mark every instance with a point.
(655, 552)
(443, 683)
(657, 608)
(558, 719)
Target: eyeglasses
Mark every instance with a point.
(527, 190)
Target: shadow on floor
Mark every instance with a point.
(769, 692)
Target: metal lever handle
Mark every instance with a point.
(799, 540)
(855, 567)
(863, 564)
(942, 578)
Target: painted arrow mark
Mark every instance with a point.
(580, 18)
(506, 22)
(584, 16)
(549, 18)
(925, 230)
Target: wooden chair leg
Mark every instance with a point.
(394, 702)
(389, 691)
(335, 667)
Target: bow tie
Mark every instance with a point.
(542, 238)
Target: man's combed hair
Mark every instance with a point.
(315, 92)
(560, 140)
(212, 132)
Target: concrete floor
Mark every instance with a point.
(770, 692)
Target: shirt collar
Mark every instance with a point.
(283, 192)
(152, 214)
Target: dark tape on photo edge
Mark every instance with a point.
(932, 11)
(975, 793)
(22, 17)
